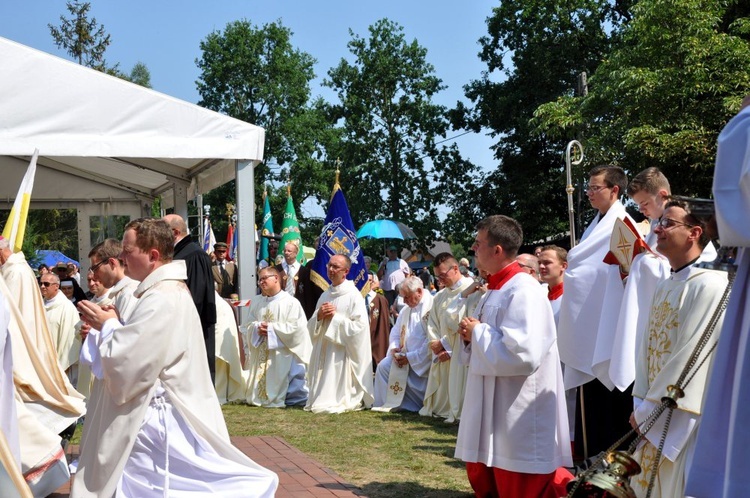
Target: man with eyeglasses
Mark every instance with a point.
(651, 191)
(588, 316)
(340, 377)
(529, 263)
(108, 269)
(682, 307)
(277, 345)
(444, 394)
(62, 317)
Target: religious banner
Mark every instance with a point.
(266, 228)
(290, 228)
(339, 237)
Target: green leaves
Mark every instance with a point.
(390, 129)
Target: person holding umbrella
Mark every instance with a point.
(391, 272)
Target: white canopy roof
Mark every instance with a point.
(87, 124)
(106, 141)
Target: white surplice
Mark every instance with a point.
(231, 380)
(340, 373)
(158, 407)
(681, 309)
(276, 363)
(444, 395)
(514, 414)
(408, 394)
(590, 304)
(719, 469)
(85, 376)
(62, 317)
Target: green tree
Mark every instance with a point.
(140, 75)
(255, 74)
(84, 39)
(534, 51)
(662, 96)
(390, 130)
(55, 229)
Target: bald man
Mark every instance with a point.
(200, 281)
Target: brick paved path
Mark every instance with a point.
(299, 475)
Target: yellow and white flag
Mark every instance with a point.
(15, 227)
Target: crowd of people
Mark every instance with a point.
(544, 359)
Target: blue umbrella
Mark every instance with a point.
(385, 229)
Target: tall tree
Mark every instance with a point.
(83, 38)
(255, 74)
(140, 75)
(86, 41)
(661, 97)
(534, 51)
(390, 131)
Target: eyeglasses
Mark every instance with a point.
(334, 267)
(525, 266)
(47, 284)
(595, 188)
(666, 223)
(443, 275)
(263, 279)
(98, 265)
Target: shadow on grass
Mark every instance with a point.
(408, 489)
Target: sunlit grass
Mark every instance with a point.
(399, 455)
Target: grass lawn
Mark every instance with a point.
(399, 455)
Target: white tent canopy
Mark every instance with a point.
(110, 147)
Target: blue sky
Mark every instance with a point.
(165, 35)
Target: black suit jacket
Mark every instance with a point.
(200, 281)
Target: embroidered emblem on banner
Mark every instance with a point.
(336, 238)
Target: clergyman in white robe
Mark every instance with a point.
(157, 424)
(277, 362)
(514, 415)
(231, 380)
(62, 317)
(683, 305)
(444, 395)
(340, 373)
(582, 326)
(409, 337)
